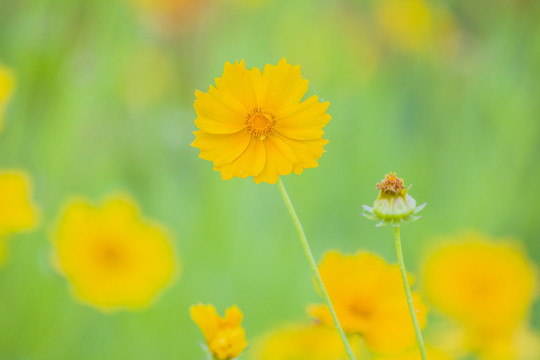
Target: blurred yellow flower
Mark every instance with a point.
(413, 24)
(414, 354)
(254, 123)
(480, 282)
(225, 337)
(487, 286)
(7, 82)
(367, 294)
(521, 344)
(17, 210)
(112, 257)
(301, 342)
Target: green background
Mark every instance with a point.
(463, 128)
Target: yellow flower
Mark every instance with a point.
(7, 82)
(17, 210)
(112, 257)
(480, 282)
(301, 342)
(225, 337)
(254, 123)
(368, 297)
(487, 286)
(414, 354)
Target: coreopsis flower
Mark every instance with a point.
(255, 123)
(486, 286)
(394, 205)
(367, 294)
(113, 257)
(7, 82)
(301, 342)
(225, 337)
(18, 212)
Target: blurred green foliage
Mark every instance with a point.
(103, 103)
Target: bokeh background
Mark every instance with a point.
(445, 93)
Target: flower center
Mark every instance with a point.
(362, 309)
(109, 256)
(260, 122)
(391, 183)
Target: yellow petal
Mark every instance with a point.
(281, 85)
(233, 316)
(222, 149)
(249, 163)
(283, 148)
(276, 164)
(307, 152)
(229, 343)
(206, 318)
(321, 312)
(240, 83)
(218, 112)
(304, 121)
(390, 329)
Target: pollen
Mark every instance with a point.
(260, 122)
(391, 183)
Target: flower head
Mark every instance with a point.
(112, 257)
(367, 294)
(17, 210)
(487, 286)
(7, 82)
(225, 337)
(394, 205)
(255, 123)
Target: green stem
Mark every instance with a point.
(313, 266)
(417, 331)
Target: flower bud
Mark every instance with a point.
(393, 205)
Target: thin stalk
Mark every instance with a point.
(313, 266)
(417, 331)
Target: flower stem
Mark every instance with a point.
(313, 266)
(417, 331)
